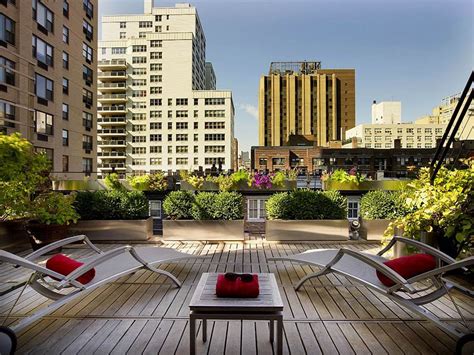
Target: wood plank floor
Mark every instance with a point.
(145, 313)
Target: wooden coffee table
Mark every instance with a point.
(206, 305)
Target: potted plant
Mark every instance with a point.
(444, 209)
(377, 210)
(50, 217)
(307, 215)
(204, 216)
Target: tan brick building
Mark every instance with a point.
(299, 100)
(48, 79)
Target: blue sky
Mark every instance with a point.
(415, 51)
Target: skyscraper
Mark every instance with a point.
(159, 109)
(300, 103)
(47, 79)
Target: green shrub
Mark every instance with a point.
(157, 182)
(307, 204)
(277, 206)
(203, 206)
(228, 206)
(381, 205)
(178, 204)
(110, 204)
(139, 182)
(113, 183)
(54, 208)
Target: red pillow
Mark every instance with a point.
(408, 266)
(64, 265)
(237, 288)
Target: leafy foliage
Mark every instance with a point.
(203, 206)
(152, 182)
(111, 204)
(446, 207)
(112, 182)
(178, 204)
(54, 208)
(307, 204)
(228, 206)
(381, 205)
(241, 176)
(340, 175)
(278, 179)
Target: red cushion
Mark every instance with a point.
(408, 266)
(64, 265)
(237, 288)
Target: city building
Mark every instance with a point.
(300, 102)
(235, 154)
(48, 66)
(387, 112)
(244, 160)
(158, 107)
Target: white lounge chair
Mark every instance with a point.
(108, 266)
(412, 293)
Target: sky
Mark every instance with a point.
(413, 51)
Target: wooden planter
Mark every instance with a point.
(110, 230)
(370, 185)
(44, 234)
(203, 230)
(374, 229)
(324, 229)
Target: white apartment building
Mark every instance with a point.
(158, 106)
(387, 112)
(383, 135)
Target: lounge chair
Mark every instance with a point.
(412, 293)
(108, 267)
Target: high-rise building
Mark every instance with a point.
(159, 109)
(387, 112)
(300, 103)
(48, 79)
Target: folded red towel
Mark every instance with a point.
(237, 288)
(64, 265)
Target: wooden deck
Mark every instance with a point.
(145, 313)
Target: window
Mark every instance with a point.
(196, 137)
(353, 209)
(155, 208)
(138, 128)
(42, 51)
(139, 161)
(7, 111)
(156, 43)
(155, 102)
(196, 149)
(123, 25)
(65, 137)
(181, 125)
(155, 149)
(43, 123)
(139, 139)
(170, 149)
(155, 137)
(88, 8)
(43, 16)
(87, 165)
(214, 125)
(156, 90)
(87, 120)
(65, 163)
(138, 116)
(278, 161)
(65, 86)
(170, 114)
(123, 35)
(142, 34)
(65, 60)
(87, 52)
(196, 125)
(138, 82)
(87, 97)
(88, 30)
(155, 161)
(65, 111)
(181, 161)
(196, 102)
(181, 113)
(182, 102)
(214, 137)
(87, 75)
(139, 93)
(181, 137)
(138, 48)
(119, 50)
(214, 113)
(158, 18)
(44, 87)
(155, 114)
(256, 209)
(157, 28)
(181, 149)
(139, 150)
(7, 29)
(156, 78)
(155, 125)
(7, 76)
(65, 8)
(65, 35)
(214, 149)
(170, 125)
(86, 142)
(156, 66)
(145, 24)
(214, 101)
(138, 71)
(138, 60)
(156, 55)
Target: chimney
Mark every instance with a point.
(148, 5)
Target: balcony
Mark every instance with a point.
(107, 121)
(112, 98)
(112, 131)
(110, 166)
(112, 154)
(112, 87)
(112, 76)
(112, 143)
(112, 109)
(113, 64)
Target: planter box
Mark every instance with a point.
(203, 230)
(386, 185)
(130, 230)
(212, 186)
(206, 186)
(374, 229)
(324, 229)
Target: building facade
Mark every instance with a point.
(387, 112)
(48, 80)
(158, 107)
(301, 99)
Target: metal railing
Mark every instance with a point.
(112, 96)
(111, 108)
(102, 120)
(112, 74)
(112, 62)
(112, 154)
(113, 85)
(112, 142)
(111, 131)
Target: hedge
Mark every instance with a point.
(381, 205)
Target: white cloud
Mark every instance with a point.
(250, 109)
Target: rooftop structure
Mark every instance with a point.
(304, 67)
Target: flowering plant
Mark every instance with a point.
(260, 180)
